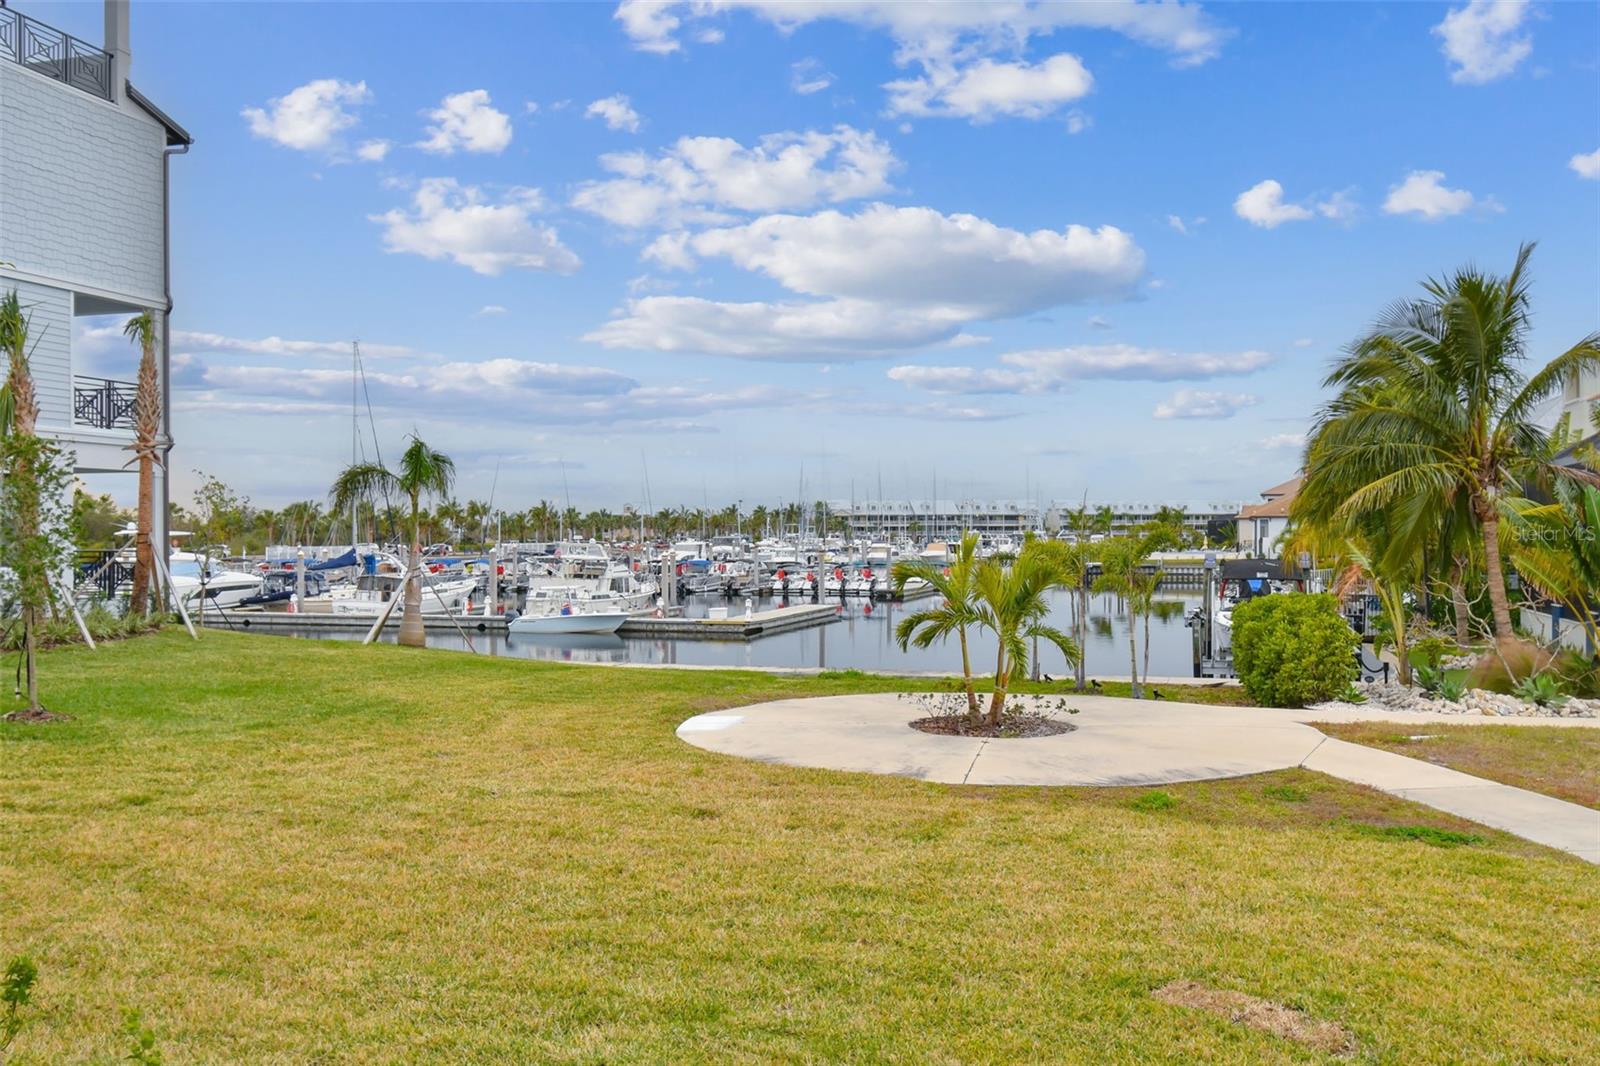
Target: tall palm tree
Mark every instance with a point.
(423, 472)
(1010, 602)
(1435, 409)
(141, 330)
(955, 615)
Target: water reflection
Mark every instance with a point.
(860, 637)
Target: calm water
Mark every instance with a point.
(862, 637)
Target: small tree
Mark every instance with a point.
(141, 329)
(1010, 602)
(955, 615)
(1293, 649)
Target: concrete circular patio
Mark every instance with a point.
(1115, 742)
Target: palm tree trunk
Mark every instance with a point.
(1147, 644)
(1133, 653)
(997, 701)
(412, 635)
(1080, 624)
(1459, 605)
(1489, 519)
(966, 677)
(143, 550)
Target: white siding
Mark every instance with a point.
(80, 187)
(49, 315)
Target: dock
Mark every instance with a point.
(271, 620)
(735, 627)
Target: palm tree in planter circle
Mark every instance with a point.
(1009, 601)
(423, 472)
(956, 615)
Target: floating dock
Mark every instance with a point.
(735, 626)
(272, 620)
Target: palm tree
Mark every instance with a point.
(20, 404)
(1072, 560)
(1435, 409)
(141, 329)
(1121, 574)
(423, 472)
(956, 614)
(1557, 551)
(1009, 600)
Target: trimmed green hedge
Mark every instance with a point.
(1292, 649)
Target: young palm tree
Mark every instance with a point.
(20, 403)
(141, 329)
(1121, 574)
(1009, 600)
(423, 472)
(1072, 560)
(955, 615)
(1435, 409)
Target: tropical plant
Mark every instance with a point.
(1009, 600)
(141, 330)
(16, 993)
(956, 614)
(1542, 689)
(1291, 650)
(1556, 550)
(1435, 411)
(1072, 561)
(1123, 562)
(423, 472)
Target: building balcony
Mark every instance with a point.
(100, 403)
(60, 56)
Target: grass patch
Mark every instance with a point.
(297, 851)
(1286, 793)
(1428, 834)
(1559, 761)
(1155, 800)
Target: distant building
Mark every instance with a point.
(936, 519)
(1578, 402)
(1202, 519)
(83, 224)
(1261, 525)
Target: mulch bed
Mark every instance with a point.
(1012, 726)
(40, 715)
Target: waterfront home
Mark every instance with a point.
(1261, 525)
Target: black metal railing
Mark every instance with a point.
(103, 570)
(103, 403)
(54, 54)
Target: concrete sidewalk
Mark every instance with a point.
(1127, 742)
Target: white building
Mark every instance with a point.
(1578, 402)
(83, 223)
(1261, 525)
(926, 520)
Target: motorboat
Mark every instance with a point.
(372, 593)
(195, 576)
(571, 609)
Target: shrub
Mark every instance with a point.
(1291, 650)
(1508, 663)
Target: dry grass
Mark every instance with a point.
(287, 852)
(1559, 761)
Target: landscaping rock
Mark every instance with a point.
(1476, 701)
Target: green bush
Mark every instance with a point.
(1291, 650)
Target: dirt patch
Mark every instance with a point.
(1011, 727)
(41, 715)
(1262, 1014)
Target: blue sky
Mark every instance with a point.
(1103, 249)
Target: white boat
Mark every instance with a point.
(372, 593)
(577, 621)
(194, 574)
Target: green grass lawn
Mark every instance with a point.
(1560, 762)
(287, 851)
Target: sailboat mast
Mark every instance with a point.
(355, 429)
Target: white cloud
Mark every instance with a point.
(1340, 207)
(965, 49)
(1100, 322)
(1586, 166)
(1262, 205)
(461, 223)
(807, 76)
(1284, 441)
(1047, 370)
(1303, 342)
(884, 280)
(310, 117)
(373, 151)
(617, 111)
(1077, 121)
(466, 122)
(1195, 403)
(987, 89)
(1423, 193)
(710, 35)
(491, 309)
(216, 342)
(1481, 40)
(699, 179)
(1177, 223)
